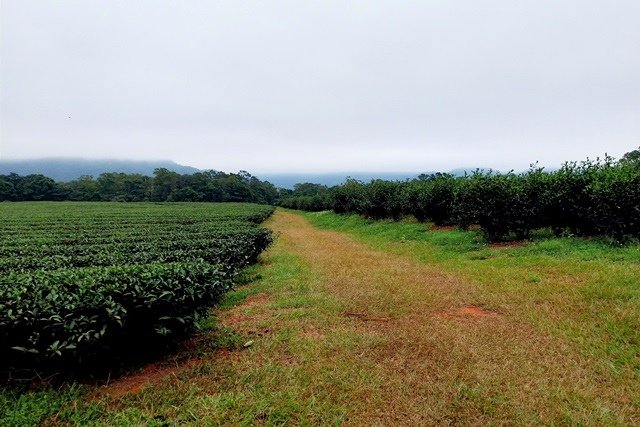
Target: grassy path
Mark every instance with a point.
(429, 353)
(336, 332)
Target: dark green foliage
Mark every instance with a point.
(568, 201)
(80, 279)
(306, 197)
(500, 203)
(7, 190)
(382, 199)
(317, 203)
(431, 197)
(81, 311)
(165, 185)
(632, 156)
(350, 197)
(30, 187)
(615, 201)
(583, 198)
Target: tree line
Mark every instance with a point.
(600, 197)
(163, 186)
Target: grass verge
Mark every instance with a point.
(585, 290)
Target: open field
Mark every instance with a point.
(357, 322)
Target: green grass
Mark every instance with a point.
(258, 390)
(20, 408)
(309, 364)
(585, 290)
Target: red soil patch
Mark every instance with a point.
(237, 315)
(253, 300)
(469, 311)
(234, 320)
(150, 374)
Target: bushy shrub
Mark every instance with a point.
(415, 197)
(83, 311)
(350, 197)
(584, 198)
(488, 197)
(569, 200)
(615, 201)
(431, 197)
(316, 203)
(382, 200)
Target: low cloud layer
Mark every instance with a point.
(321, 86)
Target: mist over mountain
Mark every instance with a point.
(67, 169)
(288, 180)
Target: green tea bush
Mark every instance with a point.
(80, 280)
(581, 198)
(382, 199)
(431, 197)
(568, 199)
(490, 199)
(315, 203)
(350, 197)
(79, 312)
(615, 201)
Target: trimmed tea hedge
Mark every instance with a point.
(581, 198)
(81, 279)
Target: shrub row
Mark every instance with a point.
(78, 281)
(83, 311)
(586, 198)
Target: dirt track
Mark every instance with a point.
(441, 352)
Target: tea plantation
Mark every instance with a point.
(80, 280)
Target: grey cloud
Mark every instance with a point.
(321, 86)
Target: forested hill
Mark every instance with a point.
(163, 186)
(67, 169)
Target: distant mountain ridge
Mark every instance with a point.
(67, 169)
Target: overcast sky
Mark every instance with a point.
(321, 85)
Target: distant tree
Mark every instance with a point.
(308, 189)
(262, 191)
(7, 190)
(164, 183)
(38, 187)
(185, 194)
(84, 188)
(199, 184)
(433, 176)
(109, 186)
(632, 156)
(135, 187)
(236, 188)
